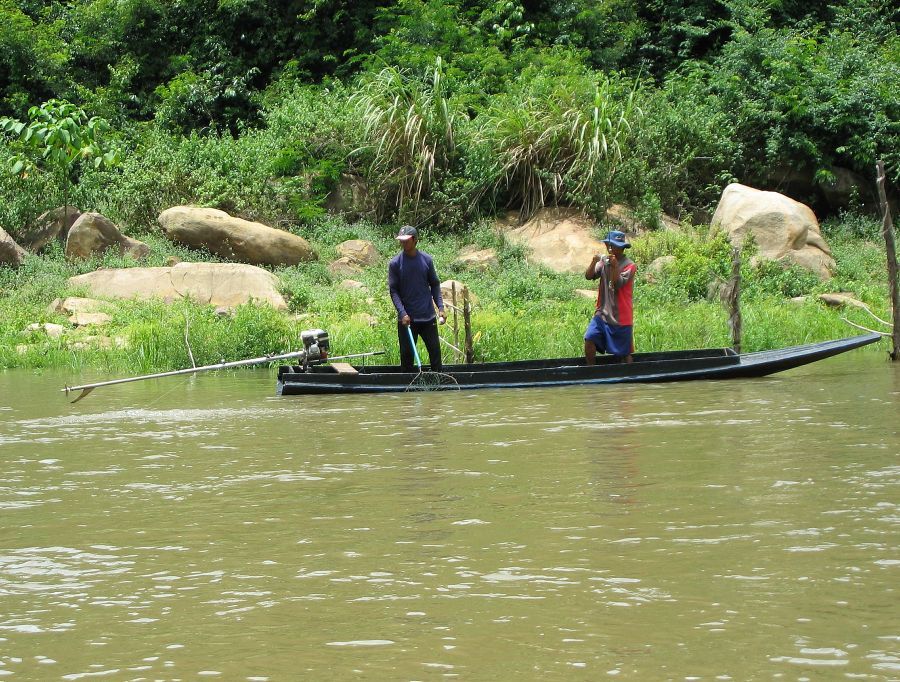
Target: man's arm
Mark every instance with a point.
(394, 288)
(591, 272)
(435, 283)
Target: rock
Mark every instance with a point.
(358, 251)
(587, 293)
(92, 234)
(81, 319)
(234, 238)
(103, 342)
(10, 253)
(50, 225)
(624, 219)
(344, 267)
(480, 260)
(781, 227)
(351, 285)
(349, 198)
(560, 238)
(447, 293)
(840, 300)
(218, 284)
(73, 305)
(54, 331)
(659, 265)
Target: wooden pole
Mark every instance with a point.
(467, 326)
(733, 298)
(456, 355)
(887, 230)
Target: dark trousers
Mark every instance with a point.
(429, 333)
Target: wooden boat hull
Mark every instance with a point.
(713, 363)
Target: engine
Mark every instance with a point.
(315, 343)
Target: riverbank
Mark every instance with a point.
(522, 310)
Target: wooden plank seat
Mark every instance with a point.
(344, 368)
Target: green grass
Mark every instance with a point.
(524, 311)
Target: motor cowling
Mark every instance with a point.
(315, 343)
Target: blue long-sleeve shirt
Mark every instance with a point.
(414, 286)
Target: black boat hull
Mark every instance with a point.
(715, 363)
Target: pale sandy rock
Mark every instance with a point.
(233, 238)
(54, 331)
(447, 293)
(480, 260)
(89, 319)
(587, 293)
(624, 219)
(217, 284)
(659, 265)
(74, 304)
(358, 251)
(344, 267)
(781, 227)
(562, 239)
(10, 252)
(841, 299)
(351, 285)
(103, 342)
(93, 233)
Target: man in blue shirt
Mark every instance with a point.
(416, 291)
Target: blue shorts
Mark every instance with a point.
(609, 338)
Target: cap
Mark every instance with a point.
(406, 232)
(617, 239)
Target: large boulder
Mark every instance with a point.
(359, 251)
(559, 238)
(234, 238)
(92, 234)
(10, 252)
(50, 225)
(781, 227)
(477, 259)
(226, 285)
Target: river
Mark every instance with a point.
(202, 528)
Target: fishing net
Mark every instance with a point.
(432, 381)
(427, 380)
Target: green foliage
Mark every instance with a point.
(697, 264)
(33, 58)
(773, 278)
(555, 137)
(60, 139)
(409, 128)
(812, 97)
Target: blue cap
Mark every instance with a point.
(617, 239)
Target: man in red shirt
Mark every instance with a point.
(610, 330)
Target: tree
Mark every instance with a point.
(59, 139)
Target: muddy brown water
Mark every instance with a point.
(201, 528)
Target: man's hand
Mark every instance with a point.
(441, 317)
(406, 320)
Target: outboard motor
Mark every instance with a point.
(315, 343)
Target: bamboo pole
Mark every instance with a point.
(456, 355)
(733, 298)
(467, 326)
(887, 230)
